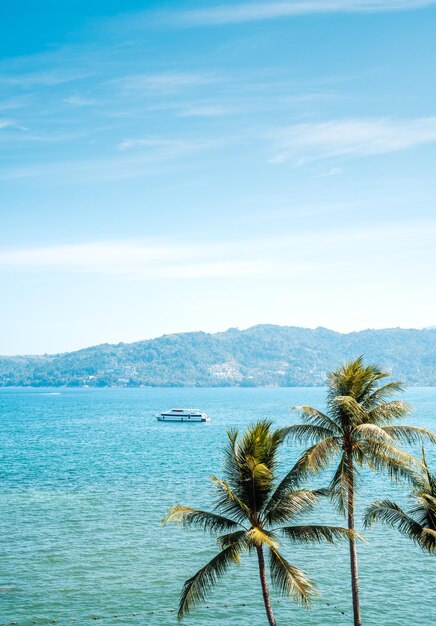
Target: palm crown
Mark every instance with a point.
(419, 522)
(357, 430)
(252, 512)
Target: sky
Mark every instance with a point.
(178, 166)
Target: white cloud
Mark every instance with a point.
(41, 78)
(136, 163)
(165, 82)
(135, 259)
(203, 111)
(78, 101)
(351, 137)
(256, 11)
(279, 256)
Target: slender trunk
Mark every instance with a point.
(353, 551)
(263, 582)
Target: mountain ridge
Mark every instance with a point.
(262, 355)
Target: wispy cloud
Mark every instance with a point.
(150, 155)
(79, 101)
(281, 255)
(49, 78)
(203, 111)
(235, 13)
(135, 259)
(165, 82)
(155, 142)
(351, 137)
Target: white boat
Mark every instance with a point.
(183, 415)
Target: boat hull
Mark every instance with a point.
(182, 418)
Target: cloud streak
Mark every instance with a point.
(134, 259)
(303, 143)
(222, 14)
(163, 83)
(257, 258)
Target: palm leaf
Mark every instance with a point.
(317, 418)
(410, 434)
(290, 504)
(259, 537)
(200, 519)
(307, 432)
(340, 483)
(388, 412)
(239, 537)
(229, 502)
(380, 394)
(372, 432)
(349, 410)
(390, 513)
(383, 457)
(317, 534)
(318, 456)
(290, 580)
(196, 588)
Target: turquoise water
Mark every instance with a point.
(86, 475)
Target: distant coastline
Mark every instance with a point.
(261, 356)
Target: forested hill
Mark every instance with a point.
(261, 355)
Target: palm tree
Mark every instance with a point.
(249, 516)
(418, 523)
(356, 430)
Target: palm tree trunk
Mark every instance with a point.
(353, 550)
(263, 582)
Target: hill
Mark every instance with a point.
(261, 355)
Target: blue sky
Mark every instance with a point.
(175, 166)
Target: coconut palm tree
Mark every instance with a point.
(419, 522)
(357, 430)
(251, 512)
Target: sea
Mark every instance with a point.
(86, 476)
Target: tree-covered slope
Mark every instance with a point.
(261, 355)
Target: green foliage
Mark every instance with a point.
(418, 523)
(262, 355)
(357, 429)
(249, 506)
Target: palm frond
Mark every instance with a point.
(410, 434)
(430, 479)
(307, 433)
(318, 534)
(196, 588)
(390, 513)
(341, 481)
(290, 580)
(229, 502)
(313, 416)
(381, 394)
(260, 472)
(290, 504)
(239, 537)
(372, 432)
(251, 461)
(200, 519)
(384, 457)
(261, 537)
(318, 456)
(348, 409)
(424, 512)
(428, 540)
(354, 379)
(387, 412)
